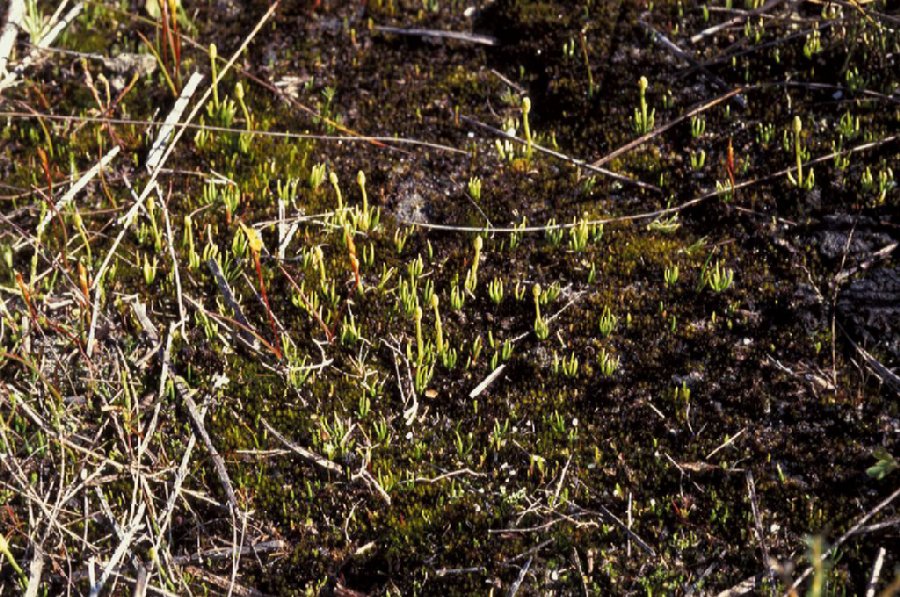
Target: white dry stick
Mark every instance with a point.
(171, 241)
(876, 573)
(630, 521)
(161, 142)
(44, 43)
(477, 391)
(124, 545)
(14, 16)
(77, 187)
(305, 454)
(36, 569)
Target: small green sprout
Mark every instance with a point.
(886, 464)
(476, 350)
(149, 270)
(474, 188)
(239, 244)
(554, 232)
(449, 357)
(519, 291)
(719, 278)
(643, 120)
(349, 331)
(813, 44)
(608, 322)
(570, 366)
(495, 290)
(578, 235)
(607, 363)
(317, 176)
(551, 293)
(401, 235)
(457, 297)
(765, 133)
(670, 276)
(848, 126)
(698, 126)
(698, 159)
(880, 185)
(666, 225)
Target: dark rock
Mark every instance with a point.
(869, 309)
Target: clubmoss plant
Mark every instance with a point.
(239, 95)
(363, 217)
(472, 275)
(809, 181)
(526, 126)
(420, 340)
(438, 328)
(643, 120)
(339, 212)
(541, 330)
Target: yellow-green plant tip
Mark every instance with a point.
(797, 124)
(253, 238)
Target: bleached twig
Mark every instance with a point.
(14, 16)
(160, 144)
(57, 27)
(77, 187)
